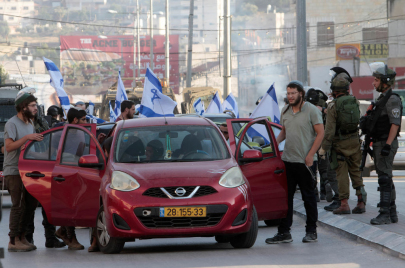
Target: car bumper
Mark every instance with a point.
(227, 204)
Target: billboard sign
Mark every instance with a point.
(362, 87)
(347, 51)
(374, 51)
(90, 64)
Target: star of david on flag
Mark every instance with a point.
(199, 106)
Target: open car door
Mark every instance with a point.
(266, 176)
(36, 163)
(76, 182)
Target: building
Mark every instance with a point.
(17, 9)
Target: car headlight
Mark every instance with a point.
(233, 177)
(123, 182)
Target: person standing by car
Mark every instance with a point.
(384, 130)
(303, 132)
(127, 110)
(41, 125)
(18, 130)
(342, 138)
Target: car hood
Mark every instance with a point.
(191, 172)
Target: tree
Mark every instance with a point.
(60, 13)
(4, 29)
(3, 75)
(249, 9)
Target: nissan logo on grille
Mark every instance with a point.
(180, 191)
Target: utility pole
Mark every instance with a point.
(151, 35)
(302, 74)
(167, 51)
(227, 48)
(190, 43)
(134, 64)
(138, 38)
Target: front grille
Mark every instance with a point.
(202, 191)
(214, 216)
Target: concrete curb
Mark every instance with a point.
(388, 242)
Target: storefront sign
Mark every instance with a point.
(347, 51)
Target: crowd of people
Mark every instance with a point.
(317, 137)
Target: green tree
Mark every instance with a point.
(4, 29)
(60, 13)
(249, 9)
(3, 75)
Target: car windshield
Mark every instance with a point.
(217, 119)
(170, 144)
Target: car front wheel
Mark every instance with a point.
(106, 243)
(247, 240)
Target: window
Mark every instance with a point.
(46, 149)
(375, 35)
(13, 8)
(326, 33)
(207, 49)
(170, 143)
(1, 8)
(25, 8)
(10, 18)
(77, 144)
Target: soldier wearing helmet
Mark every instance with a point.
(342, 140)
(53, 111)
(383, 126)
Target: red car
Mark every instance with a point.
(173, 177)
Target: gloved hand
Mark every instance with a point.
(322, 153)
(386, 150)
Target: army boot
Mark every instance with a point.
(328, 192)
(334, 205)
(61, 234)
(393, 214)
(51, 240)
(15, 245)
(73, 244)
(343, 209)
(384, 216)
(361, 205)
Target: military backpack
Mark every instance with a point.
(348, 115)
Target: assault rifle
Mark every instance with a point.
(366, 126)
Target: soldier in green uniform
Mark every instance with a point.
(342, 138)
(328, 180)
(384, 123)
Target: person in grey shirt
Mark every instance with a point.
(17, 131)
(303, 132)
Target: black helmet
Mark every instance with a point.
(53, 110)
(338, 70)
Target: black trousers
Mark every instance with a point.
(297, 173)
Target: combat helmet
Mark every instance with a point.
(381, 71)
(316, 96)
(340, 81)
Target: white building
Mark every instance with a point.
(20, 8)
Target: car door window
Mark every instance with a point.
(45, 149)
(258, 137)
(77, 144)
(276, 132)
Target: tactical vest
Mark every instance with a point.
(348, 115)
(382, 126)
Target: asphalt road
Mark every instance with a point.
(330, 251)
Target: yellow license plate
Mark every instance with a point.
(183, 212)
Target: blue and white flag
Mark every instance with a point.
(113, 116)
(57, 84)
(121, 95)
(154, 102)
(90, 108)
(231, 105)
(199, 106)
(268, 106)
(94, 119)
(215, 106)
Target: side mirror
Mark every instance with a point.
(251, 156)
(89, 161)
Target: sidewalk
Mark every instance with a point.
(389, 238)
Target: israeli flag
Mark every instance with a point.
(199, 106)
(231, 105)
(94, 119)
(113, 116)
(57, 84)
(154, 102)
(215, 106)
(121, 95)
(90, 108)
(268, 106)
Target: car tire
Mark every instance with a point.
(272, 223)
(247, 240)
(106, 244)
(222, 239)
(366, 172)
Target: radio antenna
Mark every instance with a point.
(20, 73)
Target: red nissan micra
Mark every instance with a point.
(164, 177)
